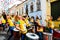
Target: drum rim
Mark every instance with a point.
(47, 33)
(57, 30)
(31, 37)
(15, 29)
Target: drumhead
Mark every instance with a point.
(15, 29)
(32, 36)
(47, 33)
(57, 30)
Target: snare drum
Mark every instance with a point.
(32, 36)
(16, 34)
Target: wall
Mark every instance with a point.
(12, 10)
(42, 12)
(19, 8)
(48, 9)
(45, 9)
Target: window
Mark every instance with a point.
(22, 10)
(17, 12)
(25, 0)
(47, 0)
(31, 7)
(27, 9)
(38, 5)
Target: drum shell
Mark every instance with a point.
(16, 35)
(56, 34)
(47, 37)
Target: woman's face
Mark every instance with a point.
(32, 20)
(20, 17)
(8, 17)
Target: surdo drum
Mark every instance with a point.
(47, 36)
(32, 36)
(16, 34)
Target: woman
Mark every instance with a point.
(4, 16)
(3, 24)
(39, 29)
(11, 26)
(17, 24)
(50, 25)
(22, 28)
(32, 24)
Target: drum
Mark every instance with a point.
(31, 29)
(47, 36)
(16, 34)
(32, 36)
(56, 34)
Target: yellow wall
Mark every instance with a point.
(48, 9)
(56, 23)
(52, 0)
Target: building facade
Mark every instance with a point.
(35, 8)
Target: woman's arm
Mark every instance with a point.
(38, 29)
(17, 26)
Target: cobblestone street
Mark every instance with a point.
(4, 35)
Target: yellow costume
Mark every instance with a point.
(51, 24)
(27, 22)
(3, 21)
(10, 22)
(23, 27)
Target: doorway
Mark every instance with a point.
(55, 10)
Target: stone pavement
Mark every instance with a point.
(4, 35)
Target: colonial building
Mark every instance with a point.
(21, 8)
(35, 8)
(12, 10)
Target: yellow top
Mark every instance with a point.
(40, 29)
(23, 27)
(3, 21)
(10, 22)
(27, 22)
(51, 24)
(38, 21)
